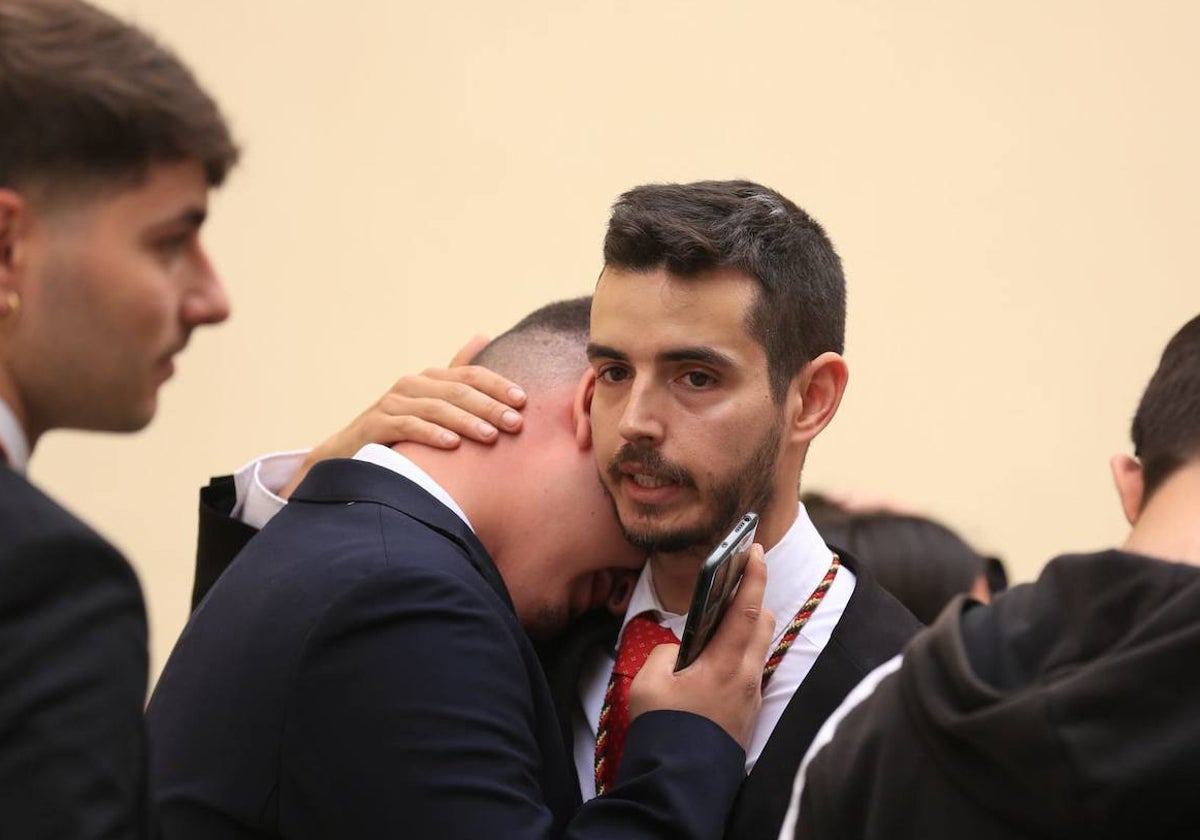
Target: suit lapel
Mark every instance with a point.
(873, 628)
(563, 658)
(346, 481)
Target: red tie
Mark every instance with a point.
(642, 634)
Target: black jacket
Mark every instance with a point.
(73, 669)
(1069, 708)
(358, 671)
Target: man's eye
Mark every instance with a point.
(173, 244)
(613, 374)
(699, 379)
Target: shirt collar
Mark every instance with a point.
(12, 438)
(795, 565)
(388, 458)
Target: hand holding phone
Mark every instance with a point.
(723, 684)
(715, 586)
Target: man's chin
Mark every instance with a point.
(668, 540)
(121, 419)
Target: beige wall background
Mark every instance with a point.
(1013, 187)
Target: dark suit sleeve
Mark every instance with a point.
(73, 668)
(220, 536)
(425, 676)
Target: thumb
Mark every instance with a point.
(646, 690)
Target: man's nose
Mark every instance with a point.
(206, 302)
(641, 417)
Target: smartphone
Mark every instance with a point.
(718, 579)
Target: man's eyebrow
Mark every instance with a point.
(704, 355)
(192, 217)
(600, 351)
(701, 354)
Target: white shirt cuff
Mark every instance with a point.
(258, 485)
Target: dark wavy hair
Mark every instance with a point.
(89, 102)
(691, 229)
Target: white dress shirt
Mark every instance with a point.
(258, 483)
(794, 568)
(12, 438)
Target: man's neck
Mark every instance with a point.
(675, 574)
(1169, 526)
(15, 439)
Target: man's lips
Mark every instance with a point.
(645, 488)
(645, 478)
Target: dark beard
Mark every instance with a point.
(749, 489)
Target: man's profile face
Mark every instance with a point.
(686, 433)
(564, 553)
(112, 288)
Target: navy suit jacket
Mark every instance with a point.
(359, 671)
(73, 671)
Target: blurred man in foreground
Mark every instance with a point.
(108, 149)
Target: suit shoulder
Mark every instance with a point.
(874, 626)
(420, 592)
(47, 547)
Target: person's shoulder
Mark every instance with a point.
(317, 569)
(27, 512)
(47, 549)
(874, 626)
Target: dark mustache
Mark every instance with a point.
(650, 462)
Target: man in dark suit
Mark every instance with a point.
(716, 332)
(363, 669)
(108, 149)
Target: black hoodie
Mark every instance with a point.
(1069, 708)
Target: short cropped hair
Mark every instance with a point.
(1166, 427)
(547, 346)
(88, 103)
(691, 229)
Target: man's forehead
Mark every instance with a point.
(168, 188)
(655, 308)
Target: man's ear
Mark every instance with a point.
(815, 394)
(13, 210)
(469, 351)
(581, 409)
(1130, 483)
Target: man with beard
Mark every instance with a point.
(716, 333)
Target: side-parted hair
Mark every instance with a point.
(88, 103)
(691, 229)
(1166, 427)
(546, 346)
